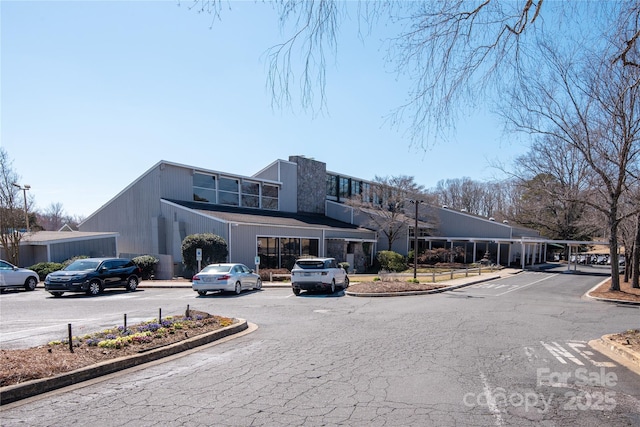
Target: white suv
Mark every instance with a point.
(310, 274)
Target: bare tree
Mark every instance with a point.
(592, 107)
(383, 205)
(12, 215)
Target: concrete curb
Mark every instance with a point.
(615, 301)
(617, 352)
(411, 293)
(31, 388)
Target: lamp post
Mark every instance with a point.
(415, 240)
(24, 189)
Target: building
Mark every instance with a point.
(288, 209)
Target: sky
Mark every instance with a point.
(95, 93)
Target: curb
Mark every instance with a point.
(411, 293)
(615, 301)
(621, 354)
(31, 388)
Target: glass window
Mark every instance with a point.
(310, 247)
(228, 192)
(204, 188)
(228, 184)
(269, 197)
(268, 252)
(332, 186)
(250, 188)
(344, 188)
(355, 187)
(250, 201)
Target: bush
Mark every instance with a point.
(214, 250)
(344, 265)
(265, 274)
(44, 268)
(391, 261)
(147, 264)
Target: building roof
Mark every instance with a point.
(266, 217)
(48, 237)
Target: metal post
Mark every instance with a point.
(24, 189)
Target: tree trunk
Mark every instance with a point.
(613, 252)
(635, 263)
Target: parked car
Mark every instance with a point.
(93, 275)
(12, 277)
(311, 274)
(228, 277)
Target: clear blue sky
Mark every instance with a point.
(95, 93)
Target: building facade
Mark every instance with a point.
(288, 209)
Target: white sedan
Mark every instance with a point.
(16, 277)
(225, 277)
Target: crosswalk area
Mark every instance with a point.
(505, 286)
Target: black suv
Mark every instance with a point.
(93, 275)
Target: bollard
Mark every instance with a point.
(188, 314)
(160, 315)
(433, 276)
(466, 272)
(70, 338)
(125, 321)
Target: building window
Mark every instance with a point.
(282, 252)
(356, 187)
(332, 187)
(228, 192)
(204, 188)
(343, 188)
(310, 247)
(250, 194)
(268, 252)
(270, 197)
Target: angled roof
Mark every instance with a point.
(265, 217)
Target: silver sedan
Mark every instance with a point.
(226, 277)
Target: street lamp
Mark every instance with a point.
(415, 241)
(24, 190)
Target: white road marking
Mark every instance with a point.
(527, 285)
(560, 353)
(491, 401)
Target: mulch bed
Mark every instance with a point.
(382, 286)
(626, 292)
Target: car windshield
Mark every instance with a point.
(216, 269)
(82, 265)
(310, 265)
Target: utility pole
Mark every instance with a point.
(24, 190)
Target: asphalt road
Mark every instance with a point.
(507, 352)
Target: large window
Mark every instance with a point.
(343, 188)
(229, 192)
(269, 197)
(281, 252)
(234, 192)
(332, 187)
(204, 188)
(250, 194)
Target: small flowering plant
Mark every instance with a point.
(143, 333)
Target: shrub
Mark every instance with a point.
(344, 265)
(44, 268)
(214, 250)
(147, 265)
(265, 274)
(391, 261)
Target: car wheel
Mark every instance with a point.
(345, 285)
(132, 283)
(30, 284)
(202, 293)
(238, 288)
(94, 288)
(258, 284)
(56, 294)
(333, 286)
(296, 291)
